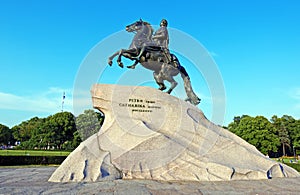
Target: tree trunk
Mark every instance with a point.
(283, 149)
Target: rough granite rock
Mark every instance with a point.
(148, 134)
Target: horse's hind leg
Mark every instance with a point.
(159, 81)
(173, 84)
(166, 73)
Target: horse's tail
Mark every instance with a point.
(192, 97)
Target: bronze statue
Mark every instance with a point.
(160, 39)
(152, 52)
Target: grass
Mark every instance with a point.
(294, 165)
(287, 160)
(33, 153)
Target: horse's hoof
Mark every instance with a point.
(199, 101)
(169, 91)
(121, 64)
(196, 101)
(109, 62)
(131, 67)
(162, 88)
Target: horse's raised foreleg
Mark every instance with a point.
(130, 54)
(112, 57)
(119, 53)
(119, 60)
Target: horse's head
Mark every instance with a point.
(143, 32)
(136, 26)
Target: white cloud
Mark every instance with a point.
(47, 101)
(50, 101)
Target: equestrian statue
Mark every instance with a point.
(152, 52)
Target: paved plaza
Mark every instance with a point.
(34, 180)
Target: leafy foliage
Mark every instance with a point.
(278, 136)
(6, 136)
(63, 131)
(295, 134)
(56, 132)
(88, 123)
(258, 131)
(61, 127)
(281, 125)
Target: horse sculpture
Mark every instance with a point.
(154, 58)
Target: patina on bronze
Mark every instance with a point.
(152, 52)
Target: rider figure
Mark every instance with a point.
(161, 39)
(161, 36)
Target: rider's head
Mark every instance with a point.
(164, 22)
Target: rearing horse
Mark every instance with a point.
(154, 58)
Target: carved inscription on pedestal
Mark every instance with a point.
(140, 105)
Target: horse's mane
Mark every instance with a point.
(150, 27)
(146, 23)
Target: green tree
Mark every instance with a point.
(236, 121)
(57, 131)
(6, 137)
(22, 132)
(27, 131)
(76, 140)
(281, 125)
(88, 123)
(60, 129)
(258, 131)
(295, 134)
(39, 133)
(291, 134)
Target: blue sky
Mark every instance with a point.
(255, 45)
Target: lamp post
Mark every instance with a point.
(63, 101)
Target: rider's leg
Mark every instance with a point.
(141, 52)
(167, 55)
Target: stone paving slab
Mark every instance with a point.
(34, 180)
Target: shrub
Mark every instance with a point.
(30, 160)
